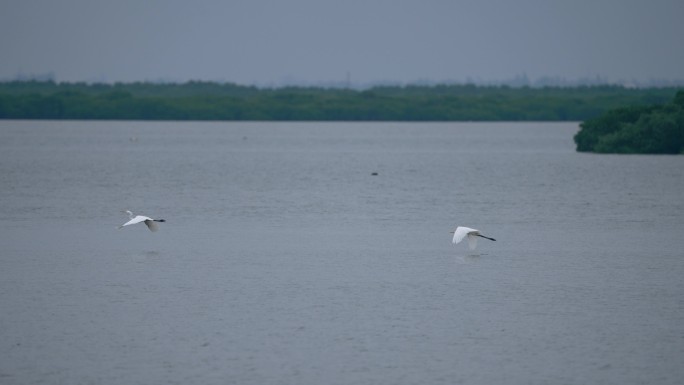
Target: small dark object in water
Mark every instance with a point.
(374, 173)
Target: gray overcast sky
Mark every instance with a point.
(271, 41)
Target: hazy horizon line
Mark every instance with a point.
(522, 80)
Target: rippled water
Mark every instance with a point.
(284, 260)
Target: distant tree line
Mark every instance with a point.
(225, 101)
(655, 129)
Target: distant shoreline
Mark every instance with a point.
(206, 101)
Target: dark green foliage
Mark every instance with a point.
(217, 101)
(594, 129)
(636, 130)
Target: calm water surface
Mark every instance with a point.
(285, 261)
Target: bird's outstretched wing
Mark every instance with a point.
(460, 233)
(135, 220)
(472, 241)
(152, 225)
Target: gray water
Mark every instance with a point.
(284, 260)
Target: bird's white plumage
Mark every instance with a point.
(134, 219)
(461, 232)
(152, 225)
(472, 234)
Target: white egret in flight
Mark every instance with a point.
(151, 223)
(472, 234)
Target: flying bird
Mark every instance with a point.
(472, 234)
(151, 223)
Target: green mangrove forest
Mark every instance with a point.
(225, 101)
(651, 129)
